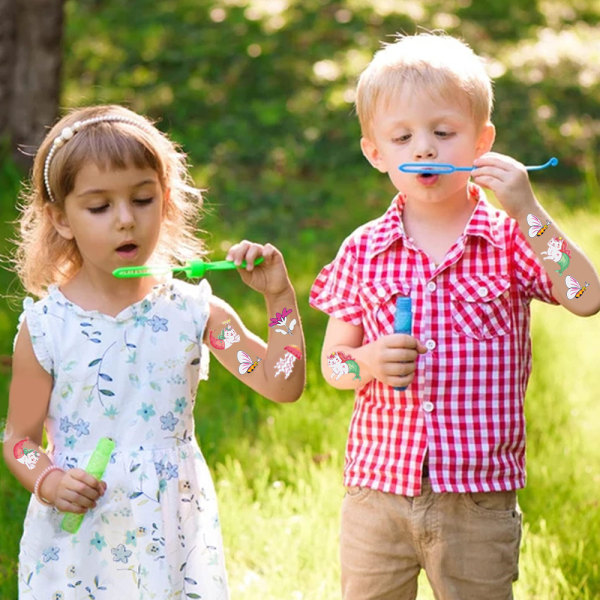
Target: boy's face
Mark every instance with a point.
(420, 127)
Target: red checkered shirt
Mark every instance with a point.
(464, 408)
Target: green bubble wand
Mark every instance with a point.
(192, 269)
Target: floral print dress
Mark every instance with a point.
(133, 377)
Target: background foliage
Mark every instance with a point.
(259, 93)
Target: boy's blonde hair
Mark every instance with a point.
(435, 62)
(44, 257)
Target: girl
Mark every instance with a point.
(98, 356)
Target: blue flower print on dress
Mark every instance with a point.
(146, 412)
(180, 405)
(120, 553)
(172, 471)
(131, 538)
(158, 324)
(98, 541)
(160, 468)
(81, 428)
(169, 421)
(50, 554)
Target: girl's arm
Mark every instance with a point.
(30, 388)
(348, 364)
(576, 284)
(275, 369)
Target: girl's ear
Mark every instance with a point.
(486, 139)
(166, 201)
(60, 221)
(371, 153)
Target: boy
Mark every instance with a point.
(432, 469)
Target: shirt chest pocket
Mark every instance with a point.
(378, 300)
(481, 306)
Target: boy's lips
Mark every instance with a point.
(427, 179)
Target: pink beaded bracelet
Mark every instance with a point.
(40, 480)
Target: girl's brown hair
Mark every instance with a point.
(43, 257)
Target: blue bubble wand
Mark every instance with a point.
(443, 168)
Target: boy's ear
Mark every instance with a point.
(59, 221)
(486, 139)
(371, 153)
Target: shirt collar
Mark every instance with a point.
(389, 227)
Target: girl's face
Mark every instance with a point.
(419, 127)
(114, 216)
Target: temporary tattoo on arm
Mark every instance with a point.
(247, 365)
(225, 339)
(536, 227)
(574, 288)
(280, 319)
(26, 456)
(285, 364)
(559, 252)
(342, 364)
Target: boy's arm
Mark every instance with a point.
(348, 364)
(576, 284)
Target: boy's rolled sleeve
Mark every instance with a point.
(335, 290)
(531, 276)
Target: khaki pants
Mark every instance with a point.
(468, 544)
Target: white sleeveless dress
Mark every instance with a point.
(155, 534)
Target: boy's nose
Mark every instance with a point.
(424, 147)
(425, 151)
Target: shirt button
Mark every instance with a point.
(381, 293)
(431, 286)
(428, 406)
(430, 344)
(483, 292)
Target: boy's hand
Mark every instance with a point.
(268, 278)
(392, 359)
(509, 181)
(72, 491)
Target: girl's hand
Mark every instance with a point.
(72, 491)
(268, 278)
(509, 181)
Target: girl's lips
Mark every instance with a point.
(127, 250)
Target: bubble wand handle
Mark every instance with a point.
(96, 466)
(403, 320)
(443, 168)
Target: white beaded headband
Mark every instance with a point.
(68, 132)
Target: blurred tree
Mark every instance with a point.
(30, 66)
